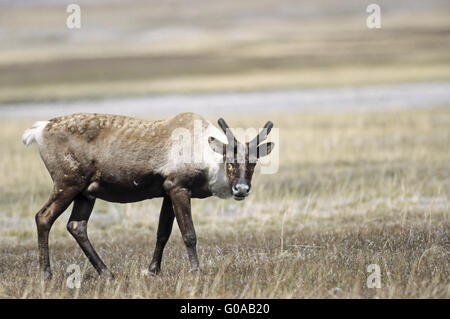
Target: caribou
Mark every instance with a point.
(123, 159)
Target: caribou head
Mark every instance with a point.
(240, 158)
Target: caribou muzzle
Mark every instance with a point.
(240, 191)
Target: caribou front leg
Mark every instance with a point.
(181, 201)
(164, 229)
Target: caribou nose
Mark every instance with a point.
(240, 189)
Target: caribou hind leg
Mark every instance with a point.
(166, 218)
(58, 202)
(77, 227)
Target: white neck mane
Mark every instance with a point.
(211, 163)
(217, 178)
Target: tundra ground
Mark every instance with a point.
(353, 189)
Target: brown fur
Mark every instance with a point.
(115, 158)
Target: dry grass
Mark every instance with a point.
(352, 190)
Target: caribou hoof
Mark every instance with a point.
(153, 271)
(106, 274)
(47, 275)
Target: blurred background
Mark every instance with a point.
(364, 134)
(206, 56)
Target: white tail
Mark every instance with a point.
(33, 134)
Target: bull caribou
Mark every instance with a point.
(123, 159)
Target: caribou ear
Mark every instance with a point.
(264, 149)
(216, 145)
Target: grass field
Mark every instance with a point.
(353, 189)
